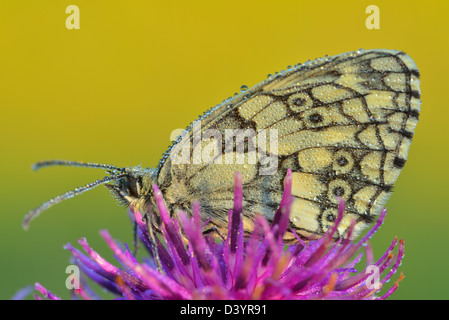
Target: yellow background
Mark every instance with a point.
(112, 92)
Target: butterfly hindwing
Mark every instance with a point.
(343, 124)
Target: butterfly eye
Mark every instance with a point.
(133, 187)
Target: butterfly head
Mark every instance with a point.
(134, 188)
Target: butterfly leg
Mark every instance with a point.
(149, 219)
(135, 239)
(215, 231)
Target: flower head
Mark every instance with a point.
(190, 265)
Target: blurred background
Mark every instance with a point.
(113, 91)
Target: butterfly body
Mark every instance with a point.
(342, 124)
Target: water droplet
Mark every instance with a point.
(243, 88)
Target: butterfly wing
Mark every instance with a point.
(343, 124)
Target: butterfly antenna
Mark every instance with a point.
(48, 163)
(70, 194)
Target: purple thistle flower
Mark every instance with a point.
(194, 266)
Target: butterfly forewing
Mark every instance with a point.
(343, 124)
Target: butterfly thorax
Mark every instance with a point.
(178, 195)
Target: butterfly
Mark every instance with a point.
(343, 124)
